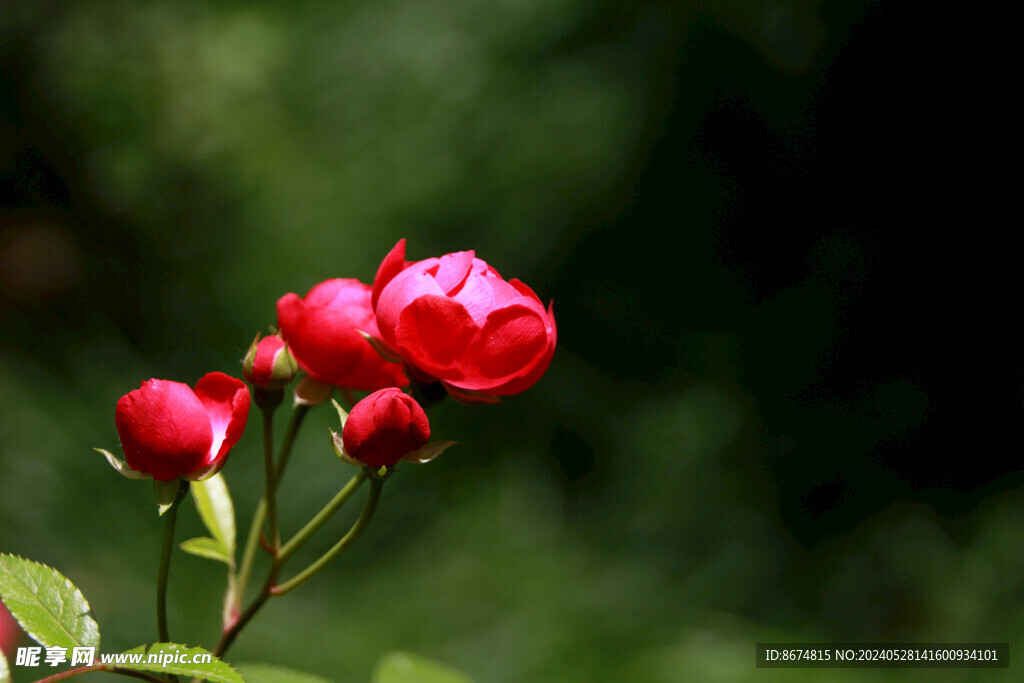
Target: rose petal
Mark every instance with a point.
(226, 400)
(510, 341)
(338, 292)
(529, 376)
(484, 292)
(393, 264)
(452, 271)
(164, 428)
(433, 331)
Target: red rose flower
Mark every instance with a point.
(169, 430)
(454, 318)
(385, 427)
(322, 331)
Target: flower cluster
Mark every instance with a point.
(451, 320)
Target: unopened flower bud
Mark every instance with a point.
(269, 364)
(384, 428)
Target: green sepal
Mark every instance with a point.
(429, 452)
(121, 466)
(339, 448)
(385, 351)
(311, 392)
(166, 492)
(342, 413)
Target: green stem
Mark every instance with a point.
(268, 460)
(249, 554)
(321, 517)
(289, 439)
(364, 519)
(170, 517)
(71, 673)
(259, 516)
(271, 589)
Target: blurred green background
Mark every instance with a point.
(788, 398)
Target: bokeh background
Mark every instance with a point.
(788, 396)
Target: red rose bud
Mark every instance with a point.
(269, 364)
(323, 333)
(456, 319)
(385, 427)
(169, 430)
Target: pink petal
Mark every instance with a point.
(484, 292)
(452, 271)
(413, 282)
(226, 400)
(338, 292)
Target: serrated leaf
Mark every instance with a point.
(5, 672)
(48, 606)
(264, 673)
(120, 465)
(207, 547)
(215, 670)
(402, 667)
(216, 510)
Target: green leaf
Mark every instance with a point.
(5, 673)
(402, 667)
(264, 673)
(216, 510)
(46, 604)
(214, 670)
(207, 547)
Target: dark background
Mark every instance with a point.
(787, 399)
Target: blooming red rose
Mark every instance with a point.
(385, 427)
(169, 430)
(322, 331)
(268, 364)
(456, 319)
